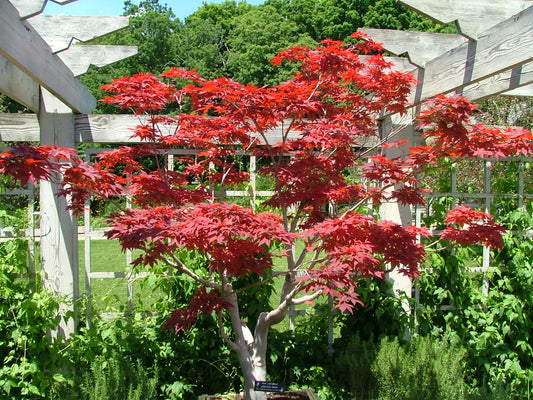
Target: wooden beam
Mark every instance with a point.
(420, 47)
(19, 127)
(505, 46)
(17, 85)
(78, 58)
(22, 45)
(59, 31)
(58, 225)
(516, 80)
(117, 128)
(29, 8)
(526, 91)
(399, 63)
(471, 17)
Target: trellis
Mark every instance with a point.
(492, 54)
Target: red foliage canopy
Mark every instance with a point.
(309, 131)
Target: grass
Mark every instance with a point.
(112, 293)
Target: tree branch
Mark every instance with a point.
(181, 267)
(231, 344)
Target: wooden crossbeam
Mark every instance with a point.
(420, 47)
(17, 85)
(471, 17)
(504, 47)
(29, 8)
(78, 58)
(511, 82)
(24, 47)
(59, 31)
(15, 127)
(399, 63)
(526, 91)
(100, 128)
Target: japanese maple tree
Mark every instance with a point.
(317, 134)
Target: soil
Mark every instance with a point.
(292, 395)
(288, 396)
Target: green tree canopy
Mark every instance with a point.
(256, 38)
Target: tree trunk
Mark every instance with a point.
(251, 349)
(252, 358)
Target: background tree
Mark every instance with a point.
(255, 39)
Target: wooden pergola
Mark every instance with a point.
(491, 54)
(39, 63)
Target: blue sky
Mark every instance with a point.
(182, 8)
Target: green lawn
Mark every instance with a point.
(112, 293)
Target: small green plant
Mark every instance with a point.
(424, 368)
(119, 378)
(30, 362)
(357, 357)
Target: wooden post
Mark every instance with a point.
(394, 128)
(59, 228)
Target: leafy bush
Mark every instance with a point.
(494, 327)
(301, 358)
(118, 378)
(357, 357)
(29, 357)
(423, 368)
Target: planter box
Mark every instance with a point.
(304, 394)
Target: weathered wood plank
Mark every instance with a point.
(514, 79)
(472, 17)
(399, 63)
(59, 227)
(19, 127)
(526, 91)
(112, 128)
(105, 128)
(503, 47)
(17, 85)
(60, 30)
(28, 8)
(419, 46)
(22, 45)
(79, 58)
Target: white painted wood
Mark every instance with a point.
(512, 82)
(503, 47)
(472, 17)
(393, 128)
(526, 91)
(59, 31)
(28, 8)
(117, 128)
(59, 228)
(17, 85)
(400, 63)
(78, 58)
(19, 127)
(23, 46)
(419, 46)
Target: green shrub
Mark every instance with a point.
(424, 368)
(118, 378)
(29, 358)
(356, 359)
